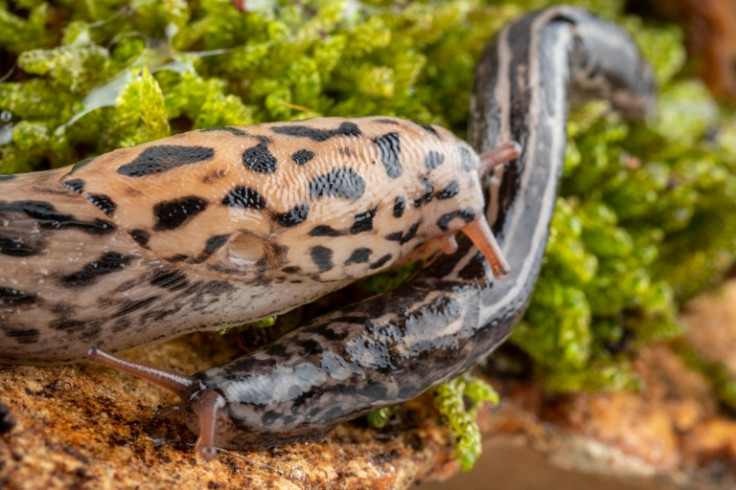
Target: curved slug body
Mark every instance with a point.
(390, 348)
(218, 227)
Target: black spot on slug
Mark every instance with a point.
(324, 230)
(292, 269)
(359, 256)
(172, 214)
(141, 237)
(17, 247)
(170, 279)
(322, 258)
(229, 129)
(403, 238)
(75, 185)
(345, 129)
(452, 190)
(466, 160)
(103, 202)
(162, 158)
(386, 121)
(259, 159)
(389, 148)
(14, 297)
(107, 263)
(47, 217)
(399, 206)
(302, 156)
(428, 190)
(214, 243)
(294, 216)
(431, 129)
(244, 197)
(339, 182)
(467, 215)
(363, 222)
(131, 306)
(434, 159)
(68, 326)
(5, 177)
(380, 262)
(23, 336)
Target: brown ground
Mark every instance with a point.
(89, 427)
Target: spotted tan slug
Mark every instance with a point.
(218, 227)
(371, 354)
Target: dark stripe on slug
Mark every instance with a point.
(244, 197)
(17, 247)
(399, 206)
(214, 243)
(324, 230)
(339, 182)
(322, 258)
(403, 238)
(5, 177)
(75, 185)
(466, 160)
(141, 237)
(431, 129)
(132, 306)
(428, 190)
(345, 129)
(228, 129)
(294, 216)
(434, 159)
(162, 158)
(359, 256)
(363, 222)
(170, 279)
(301, 157)
(380, 262)
(389, 148)
(22, 336)
(14, 297)
(259, 159)
(105, 203)
(49, 218)
(452, 190)
(172, 214)
(467, 215)
(107, 264)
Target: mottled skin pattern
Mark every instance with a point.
(218, 227)
(389, 348)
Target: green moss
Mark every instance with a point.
(645, 217)
(458, 403)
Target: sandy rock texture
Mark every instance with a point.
(85, 426)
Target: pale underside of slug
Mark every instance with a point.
(215, 228)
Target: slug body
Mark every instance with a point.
(388, 349)
(218, 227)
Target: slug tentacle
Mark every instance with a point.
(180, 384)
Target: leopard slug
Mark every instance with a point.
(218, 227)
(390, 348)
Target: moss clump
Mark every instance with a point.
(646, 214)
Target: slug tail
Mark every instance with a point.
(177, 383)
